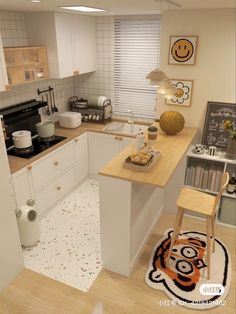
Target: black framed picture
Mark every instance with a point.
(214, 133)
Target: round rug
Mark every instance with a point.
(185, 279)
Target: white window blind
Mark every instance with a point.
(137, 52)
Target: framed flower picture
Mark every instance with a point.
(182, 50)
(183, 96)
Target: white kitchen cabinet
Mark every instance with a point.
(103, 148)
(70, 40)
(3, 71)
(51, 165)
(49, 194)
(49, 178)
(84, 43)
(125, 141)
(23, 187)
(81, 157)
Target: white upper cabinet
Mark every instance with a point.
(70, 40)
(84, 43)
(3, 72)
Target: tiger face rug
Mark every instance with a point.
(184, 280)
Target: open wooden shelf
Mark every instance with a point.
(26, 64)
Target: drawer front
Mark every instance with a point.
(50, 194)
(52, 165)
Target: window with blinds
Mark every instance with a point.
(137, 52)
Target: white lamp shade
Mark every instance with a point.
(156, 76)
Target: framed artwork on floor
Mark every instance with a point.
(182, 50)
(183, 96)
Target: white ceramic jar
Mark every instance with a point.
(139, 141)
(22, 139)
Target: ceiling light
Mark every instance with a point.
(82, 8)
(35, 1)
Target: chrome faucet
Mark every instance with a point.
(131, 118)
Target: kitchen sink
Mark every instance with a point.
(125, 128)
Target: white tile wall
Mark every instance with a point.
(12, 28)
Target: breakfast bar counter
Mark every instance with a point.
(171, 148)
(131, 201)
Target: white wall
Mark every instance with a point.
(214, 71)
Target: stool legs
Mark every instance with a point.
(178, 222)
(208, 257)
(213, 231)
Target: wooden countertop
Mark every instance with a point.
(17, 163)
(172, 149)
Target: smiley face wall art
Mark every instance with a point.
(182, 50)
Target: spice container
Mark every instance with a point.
(152, 133)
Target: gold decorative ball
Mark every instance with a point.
(171, 122)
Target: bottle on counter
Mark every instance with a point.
(140, 141)
(231, 187)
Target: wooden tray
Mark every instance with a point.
(127, 164)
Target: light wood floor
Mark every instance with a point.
(32, 293)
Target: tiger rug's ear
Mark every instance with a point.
(156, 275)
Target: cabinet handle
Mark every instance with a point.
(121, 139)
(29, 167)
(116, 138)
(56, 163)
(76, 140)
(30, 202)
(76, 72)
(58, 188)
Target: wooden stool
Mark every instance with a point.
(203, 203)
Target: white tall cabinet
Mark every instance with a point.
(11, 258)
(70, 40)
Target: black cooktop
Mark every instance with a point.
(37, 147)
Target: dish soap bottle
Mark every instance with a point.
(140, 141)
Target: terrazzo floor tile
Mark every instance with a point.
(69, 246)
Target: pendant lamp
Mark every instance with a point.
(156, 77)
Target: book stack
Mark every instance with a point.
(204, 176)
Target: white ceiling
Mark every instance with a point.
(116, 6)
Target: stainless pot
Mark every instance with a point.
(45, 129)
(22, 139)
